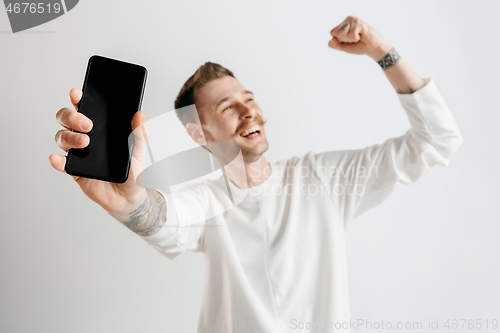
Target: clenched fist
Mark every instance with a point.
(357, 37)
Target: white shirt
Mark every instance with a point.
(276, 262)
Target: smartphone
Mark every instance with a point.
(112, 94)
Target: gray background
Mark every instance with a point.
(429, 252)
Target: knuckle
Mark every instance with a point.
(66, 139)
(58, 137)
(59, 114)
(65, 116)
(72, 118)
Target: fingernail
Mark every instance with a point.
(85, 123)
(80, 139)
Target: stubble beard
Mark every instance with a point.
(251, 155)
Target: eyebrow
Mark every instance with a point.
(227, 98)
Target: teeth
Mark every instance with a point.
(250, 130)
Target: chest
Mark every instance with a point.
(276, 224)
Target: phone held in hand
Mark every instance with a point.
(112, 94)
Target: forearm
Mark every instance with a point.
(149, 217)
(402, 77)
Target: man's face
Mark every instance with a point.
(230, 114)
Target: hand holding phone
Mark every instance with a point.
(112, 94)
(113, 197)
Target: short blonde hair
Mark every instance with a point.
(203, 75)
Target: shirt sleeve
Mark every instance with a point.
(358, 180)
(184, 225)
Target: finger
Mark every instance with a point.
(353, 35)
(341, 28)
(71, 119)
(58, 162)
(345, 47)
(335, 44)
(340, 34)
(66, 139)
(75, 95)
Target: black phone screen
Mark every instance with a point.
(112, 94)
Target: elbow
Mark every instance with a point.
(450, 145)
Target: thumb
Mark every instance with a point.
(140, 136)
(335, 44)
(139, 127)
(346, 47)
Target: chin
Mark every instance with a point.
(252, 154)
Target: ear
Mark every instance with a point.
(196, 133)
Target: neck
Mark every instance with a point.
(255, 172)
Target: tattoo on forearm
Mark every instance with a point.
(149, 217)
(390, 59)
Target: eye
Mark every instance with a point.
(226, 108)
(250, 99)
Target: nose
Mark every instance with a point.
(246, 112)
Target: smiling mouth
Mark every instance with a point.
(251, 132)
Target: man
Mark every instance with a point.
(276, 262)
